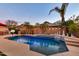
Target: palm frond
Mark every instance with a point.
(55, 9)
(64, 6)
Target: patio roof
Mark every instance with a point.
(1, 24)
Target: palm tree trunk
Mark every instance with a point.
(62, 25)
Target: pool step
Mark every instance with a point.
(73, 42)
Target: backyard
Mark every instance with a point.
(44, 37)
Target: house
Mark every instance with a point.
(3, 29)
(49, 28)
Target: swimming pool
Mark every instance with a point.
(42, 44)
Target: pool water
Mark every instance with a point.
(42, 44)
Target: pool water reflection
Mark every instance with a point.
(44, 45)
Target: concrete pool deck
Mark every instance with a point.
(12, 48)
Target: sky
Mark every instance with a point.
(34, 12)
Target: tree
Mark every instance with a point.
(28, 28)
(37, 24)
(71, 27)
(76, 29)
(26, 23)
(12, 25)
(77, 18)
(61, 11)
(44, 26)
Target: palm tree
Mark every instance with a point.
(61, 11)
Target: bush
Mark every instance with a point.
(76, 31)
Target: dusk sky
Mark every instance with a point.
(34, 12)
